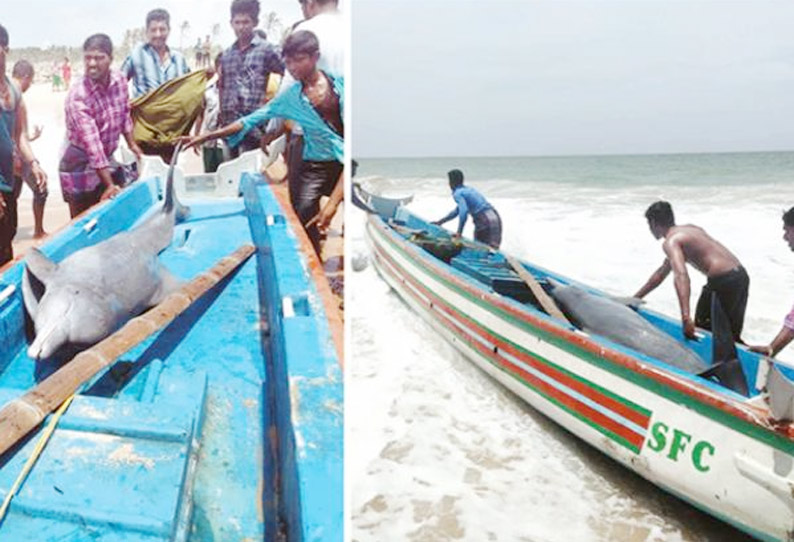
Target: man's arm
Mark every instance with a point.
(22, 119)
(133, 145)
(783, 338)
(329, 209)
(127, 67)
(463, 211)
(225, 131)
(23, 144)
(675, 256)
(452, 214)
(655, 280)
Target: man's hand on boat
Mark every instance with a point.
(270, 137)
(688, 327)
(110, 192)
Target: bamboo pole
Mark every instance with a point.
(548, 304)
(25, 413)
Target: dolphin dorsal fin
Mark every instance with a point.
(726, 367)
(39, 265)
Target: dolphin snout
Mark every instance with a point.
(47, 342)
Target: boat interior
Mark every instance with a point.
(173, 441)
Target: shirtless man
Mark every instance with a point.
(12, 136)
(691, 244)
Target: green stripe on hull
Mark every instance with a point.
(716, 414)
(581, 417)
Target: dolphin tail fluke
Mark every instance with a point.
(726, 368)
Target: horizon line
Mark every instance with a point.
(581, 155)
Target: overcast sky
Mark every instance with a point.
(63, 22)
(500, 77)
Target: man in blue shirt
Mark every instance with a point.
(487, 224)
(153, 63)
(149, 66)
(317, 103)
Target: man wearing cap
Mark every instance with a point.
(487, 224)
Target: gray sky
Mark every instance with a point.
(500, 77)
(59, 22)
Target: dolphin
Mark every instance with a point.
(604, 316)
(94, 291)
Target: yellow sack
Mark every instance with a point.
(169, 111)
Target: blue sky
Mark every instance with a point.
(462, 78)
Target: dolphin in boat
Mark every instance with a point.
(604, 316)
(94, 291)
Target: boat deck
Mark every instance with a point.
(176, 440)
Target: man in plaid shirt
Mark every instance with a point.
(97, 113)
(245, 69)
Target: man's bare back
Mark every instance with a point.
(690, 244)
(700, 250)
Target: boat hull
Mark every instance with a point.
(711, 449)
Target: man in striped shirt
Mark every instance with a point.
(786, 333)
(151, 64)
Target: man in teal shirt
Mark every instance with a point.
(487, 224)
(316, 102)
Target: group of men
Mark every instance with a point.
(726, 278)
(98, 111)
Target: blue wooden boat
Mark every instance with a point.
(727, 452)
(226, 425)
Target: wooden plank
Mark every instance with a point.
(545, 300)
(25, 413)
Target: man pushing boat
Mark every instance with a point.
(487, 224)
(691, 244)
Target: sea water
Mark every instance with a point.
(439, 451)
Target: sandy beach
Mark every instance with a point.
(45, 108)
